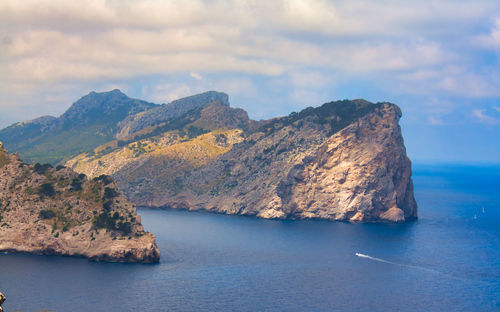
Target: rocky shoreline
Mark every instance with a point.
(55, 211)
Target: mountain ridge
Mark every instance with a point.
(157, 170)
(93, 120)
(344, 160)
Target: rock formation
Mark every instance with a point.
(56, 211)
(345, 160)
(2, 300)
(174, 109)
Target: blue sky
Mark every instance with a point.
(438, 60)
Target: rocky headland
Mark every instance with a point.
(56, 211)
(344, 160)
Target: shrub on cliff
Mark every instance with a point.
(76, 185)
(104, 221)
(47, 189)
(110, 193)
(47, 214)
(104, 178)
(41, 169)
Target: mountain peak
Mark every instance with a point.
(171, 110)
(201, 99)
(104, 103)
(102, 95)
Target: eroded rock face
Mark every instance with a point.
(55, 211)
(345, 160)
(360, 173)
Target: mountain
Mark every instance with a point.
(89, 122)
(93, 120)
(344, 160)
(56, 211)
(172, 110)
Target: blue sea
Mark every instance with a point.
(448, 260)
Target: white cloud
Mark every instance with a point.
(492, 39)
(48, 47)
(195, 75)
(165, 93)
(481, 116)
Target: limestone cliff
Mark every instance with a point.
(345, 160)
(56, 211)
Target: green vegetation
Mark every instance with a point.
(47, 214)
(193, 131)
(90, 122)
(47, 189)
(76, 185)
(106, 221)
(181, 124)
(41, 169)
(105, 179)
(337, 115)
(110, 193)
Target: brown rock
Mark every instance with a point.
(344, 160)
(55, 211)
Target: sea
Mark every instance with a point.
(447, 260)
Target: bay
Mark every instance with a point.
(447, 260)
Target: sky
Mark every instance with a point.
(437, 59)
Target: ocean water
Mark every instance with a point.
(448, 260)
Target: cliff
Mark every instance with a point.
(345, 160)
(56, 211)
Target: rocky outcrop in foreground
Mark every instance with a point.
(345, 161)
(2, 300)
(56, 211)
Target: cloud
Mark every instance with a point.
(492, 39)
(167, 92)
(306, 47)
(481, 116)
(195, 75)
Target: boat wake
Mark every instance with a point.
(374, 259)
(405, 265)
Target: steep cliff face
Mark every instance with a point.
(301, 170)
(45, 210)
(360, 173)
(344, 160)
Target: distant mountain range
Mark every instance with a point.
(344, 160)
(89, 122)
